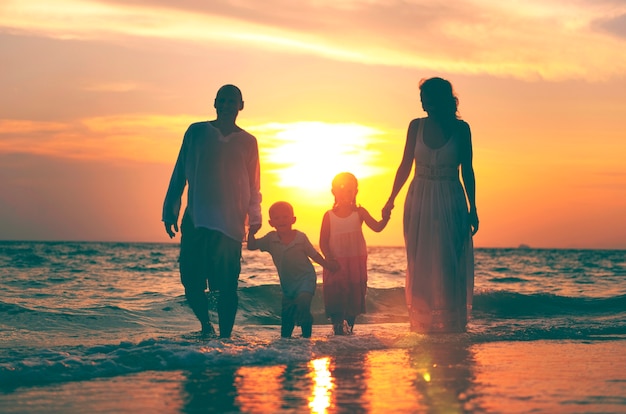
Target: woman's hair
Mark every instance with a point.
(439, 100)
(345, 181)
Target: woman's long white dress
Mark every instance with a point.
(440, 253)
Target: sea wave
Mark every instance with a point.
(261, 305)
(506, 304)
(255, 345)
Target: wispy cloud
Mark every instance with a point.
(130, 137)
(615, 25)
(529, 39)
(111, 87)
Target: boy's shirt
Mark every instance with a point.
(295, 270)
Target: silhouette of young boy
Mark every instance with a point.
(291, 250)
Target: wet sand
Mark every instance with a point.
(412, 375)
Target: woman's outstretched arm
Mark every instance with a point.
(405, 166)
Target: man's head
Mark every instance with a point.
(228, 101)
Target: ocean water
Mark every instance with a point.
(104, 327)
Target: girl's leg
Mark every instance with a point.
(350, 320)
(337, 321)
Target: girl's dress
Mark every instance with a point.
(439, 248)
(344, 290)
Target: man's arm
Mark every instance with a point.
(172, 203)
(254, 178)
(252, 243)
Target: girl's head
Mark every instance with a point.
(345, 187)
(438, 98)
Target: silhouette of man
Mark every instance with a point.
(219, 162)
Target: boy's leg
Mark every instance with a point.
(287, 318)
(303, 313)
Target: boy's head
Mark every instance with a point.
(281, 215)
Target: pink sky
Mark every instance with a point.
(97, 95)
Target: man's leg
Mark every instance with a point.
(225, 266)
(200, 306)
(227, 303)
(192, 273)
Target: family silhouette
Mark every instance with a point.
(219, 163)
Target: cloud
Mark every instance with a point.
(531, 39)
(146, 138)
(112, 87)
(615, 26)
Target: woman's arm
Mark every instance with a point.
(405, 166)
(469, 179)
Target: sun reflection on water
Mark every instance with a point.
(319, 401)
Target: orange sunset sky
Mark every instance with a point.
(96, 96)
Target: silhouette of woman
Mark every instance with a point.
(439, 214)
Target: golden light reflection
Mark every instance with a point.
(319, 401)
(307, 155)
(258, 389)
(390, 387)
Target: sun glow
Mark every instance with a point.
(319, 401)
(307, 155)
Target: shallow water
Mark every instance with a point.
(443, 377)
(104, 327)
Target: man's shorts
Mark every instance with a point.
(208, 255)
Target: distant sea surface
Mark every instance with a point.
(104, 327)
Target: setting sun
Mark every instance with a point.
(307, 155)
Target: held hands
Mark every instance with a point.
(333, 265)
(168, 229)
(254, 229)
(386, 212)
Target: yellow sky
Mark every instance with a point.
(97, 95)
